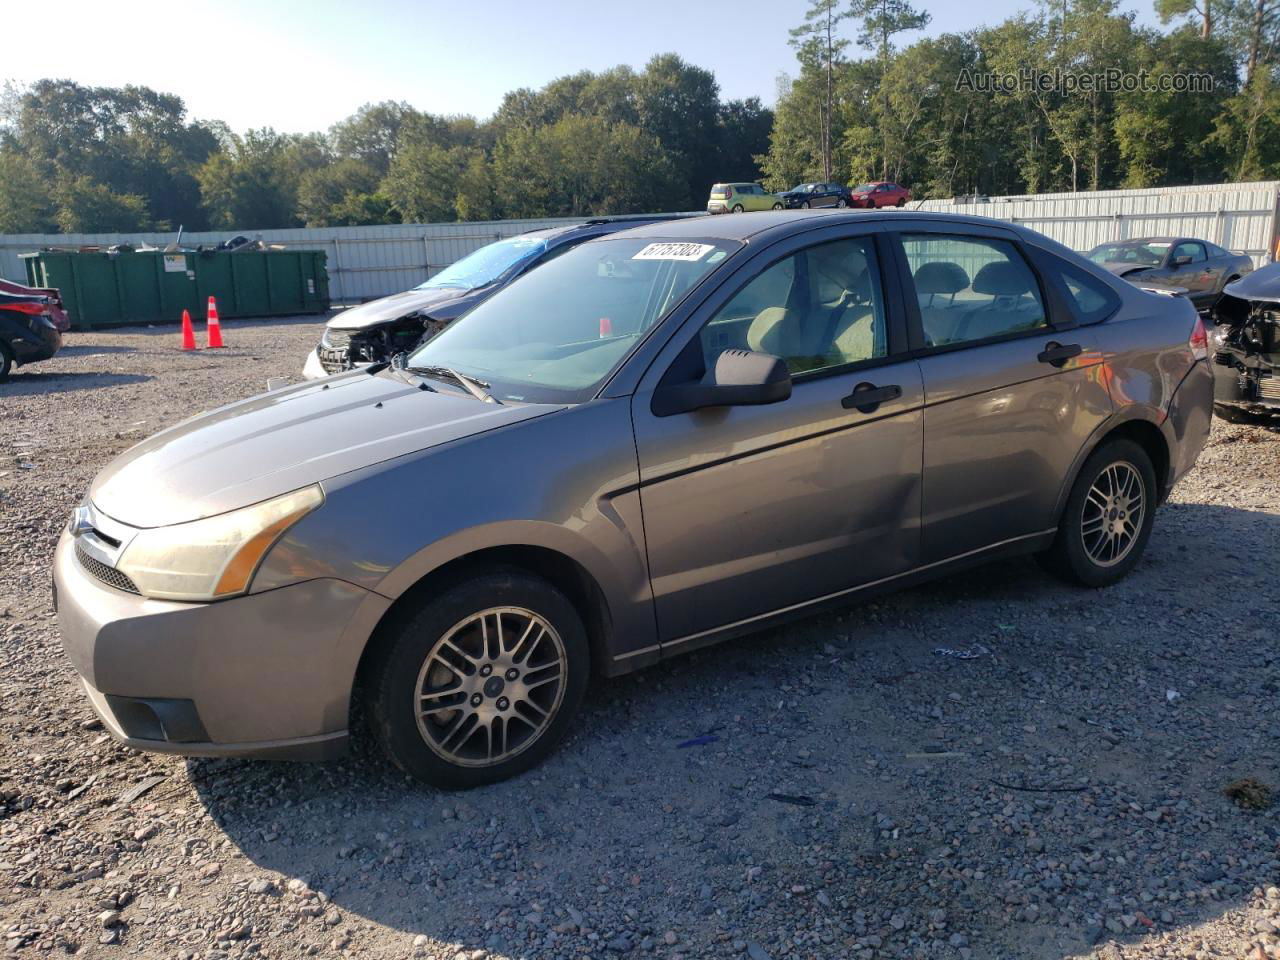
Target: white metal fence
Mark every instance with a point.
(1238, 216)
(368, 262)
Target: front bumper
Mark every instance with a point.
(267, 674)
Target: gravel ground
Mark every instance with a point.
(1060, 794)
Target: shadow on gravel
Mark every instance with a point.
(24, 382)
(1060, 789)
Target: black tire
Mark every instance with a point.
(804, 204)
(901, 202)
(1069, 557)
(6, 362)
(777, 206)
(737, 208)
(395, 680)
(840, 203)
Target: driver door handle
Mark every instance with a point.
(1057, 354)
(867, 397)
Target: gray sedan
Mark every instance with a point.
(660, 440)
(1198, 267)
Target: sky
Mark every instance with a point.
(301, 66)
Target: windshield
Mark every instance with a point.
(864, 188)
(804, 188)
(1149, 254)
(487, 264)
(553, 336)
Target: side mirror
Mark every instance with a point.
(1181, 261)
(741, 378)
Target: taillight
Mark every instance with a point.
(1198, 342)
(26, 306)
(728, 192)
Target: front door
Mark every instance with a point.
(750, 510)
(1010, 396)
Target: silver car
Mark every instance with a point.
(659, 440)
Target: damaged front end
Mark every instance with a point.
(1246, 346)
(346, 349)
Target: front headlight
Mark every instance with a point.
(216, 557)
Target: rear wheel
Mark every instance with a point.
(737, 208)
(777, 206)
(902, 202)
(482, 682)
(6, 361)
(1108, 517)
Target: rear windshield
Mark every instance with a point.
(557, 333)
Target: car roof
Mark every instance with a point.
(744, 227)
(1117, 243)
(600, 225)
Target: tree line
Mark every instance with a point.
(859, 106)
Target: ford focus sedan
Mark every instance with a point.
(659, 440)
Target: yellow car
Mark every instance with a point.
(738, 197)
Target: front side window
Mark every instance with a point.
(556, 334)
(487, 264)
(816, 309)
(972, 288)
(864, 188)
(1191, 250)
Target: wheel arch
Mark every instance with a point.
(1146, 433)
(565, 573)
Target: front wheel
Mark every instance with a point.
(482, 682)
(804, 204)
(1108, 517)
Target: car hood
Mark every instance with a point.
(1262, 285)
(1120, 269)
(280, 441)
(394, 307)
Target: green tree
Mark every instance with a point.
(677, 103)
(252, 183)
(26, 205)
(882, 20)
(819, 46)
(86, 206)
(343, 193)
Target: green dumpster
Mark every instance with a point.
(102, 289)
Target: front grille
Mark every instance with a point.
(334, 361)
(108, 575)
(1269, 388)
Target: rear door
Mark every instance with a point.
(750, 510)
(1013, 389)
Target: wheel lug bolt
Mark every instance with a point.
(513, 673)
(486, 670)
(503, 703)
(476, 699)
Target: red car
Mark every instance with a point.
(53, 301)
(881, 193)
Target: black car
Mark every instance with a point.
(28, 329)
(808, 195)
(1184, 264)
(1246, 342)
(381, 329)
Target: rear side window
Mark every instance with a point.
(972, 288)
(1089, 298)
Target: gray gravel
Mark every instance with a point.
(1058, 795)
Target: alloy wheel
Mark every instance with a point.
(1113, 513)
(490, 687)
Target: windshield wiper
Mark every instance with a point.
(477, 388)
(400, 373)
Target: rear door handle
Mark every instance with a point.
(1059, 353)
(867, 397)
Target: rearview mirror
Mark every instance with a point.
(741, 378)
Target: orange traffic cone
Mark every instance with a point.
(215, 328)
(188, 335)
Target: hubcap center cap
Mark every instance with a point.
(493, 686)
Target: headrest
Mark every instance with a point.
(1000, 278)
(941, 276)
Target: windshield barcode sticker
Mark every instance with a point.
(674, 251)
